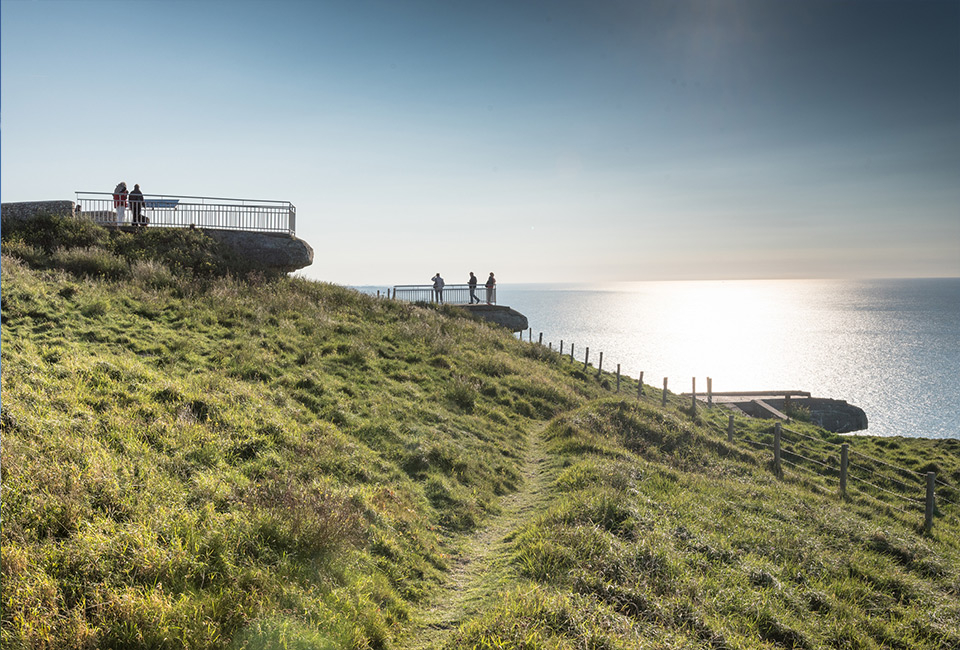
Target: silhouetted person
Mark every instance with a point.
(472, 283)
(136, 206)
(490, 284)
(438, 288)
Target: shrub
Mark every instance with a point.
(463, 393)
(93, 262)
(49, 232)
(151, 273)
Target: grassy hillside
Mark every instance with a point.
(195, 456)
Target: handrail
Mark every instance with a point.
(452, 294)
(180, 211)
(202, 198)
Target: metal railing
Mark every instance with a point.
(173, 211)
(451, 294)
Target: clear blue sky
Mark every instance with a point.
(547, 141)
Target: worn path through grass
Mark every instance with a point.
(481, 566)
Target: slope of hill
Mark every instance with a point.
(195, 457)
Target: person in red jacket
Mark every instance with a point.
(120, 200)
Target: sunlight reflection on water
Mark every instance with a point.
(891, 347)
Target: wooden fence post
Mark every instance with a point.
(551, 346)
(693, 399)
(709, 391)
(541, 338)
(571, 352)
(586, 359)
(928, 511)
(600, 365)
(729, 428)
(640, 385)
(663, 397)
(844, 465)
(776, 448)
(561, 347)
(618, 377)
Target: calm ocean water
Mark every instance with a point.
(892, 347)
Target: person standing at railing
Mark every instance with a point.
(136, 206)
(120, 200)
(472, 283)
(438, 288)
(490, 284)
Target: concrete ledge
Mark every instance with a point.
(499, 314)
(769, 409)
(274, 251)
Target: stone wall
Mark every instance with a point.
(27, 209)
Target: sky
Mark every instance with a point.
(561, 141)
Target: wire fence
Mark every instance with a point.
(877, 480)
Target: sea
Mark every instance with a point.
(891, 347)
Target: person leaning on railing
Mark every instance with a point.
(490, 284)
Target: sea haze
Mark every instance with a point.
(891, 347)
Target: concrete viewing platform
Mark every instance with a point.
(262, 235)
(831, 414)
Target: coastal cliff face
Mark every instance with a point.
(274, 252)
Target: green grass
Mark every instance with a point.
(674, 538)
(199, 456)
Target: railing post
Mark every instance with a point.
(730, 428)
(586, 359)
(844, 465)
(709, 391)
(693, 399)
(618, 377)
(663, 397)
(776, 448)
(600, 365)
(928, 511)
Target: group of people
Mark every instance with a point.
(135, 199)
(438, 285)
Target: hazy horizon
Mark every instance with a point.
(548, 141)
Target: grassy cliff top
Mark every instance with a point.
(197, 457)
